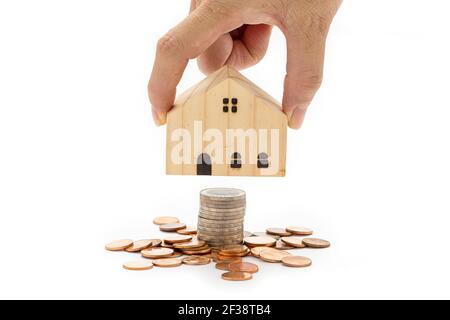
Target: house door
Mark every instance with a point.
(204, 166)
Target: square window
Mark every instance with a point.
(234, 101)
(226, 101)
(234, 109)
(225, 108)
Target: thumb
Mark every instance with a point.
(305, 58)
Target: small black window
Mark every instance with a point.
(225, 108)
(234, 109)
(263, 161)
(226, 101)
(234, 101)
(236, 162)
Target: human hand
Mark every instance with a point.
(234, 32)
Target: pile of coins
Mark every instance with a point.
(221, 216)
(182, 245)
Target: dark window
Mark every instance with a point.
(226, 101)
(204, 166)
(225, 108)
(263, 160)
(234, 109)
(236, 162)
(234, 101)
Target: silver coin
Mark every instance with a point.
(218, 219)
(222, 193)
(218, 244)
(220, 222)
(223, 203)
(213, 207)
(214, 236)
(221, 231)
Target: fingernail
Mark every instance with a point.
(158, 118)
(296, 120)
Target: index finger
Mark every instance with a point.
(186, 41)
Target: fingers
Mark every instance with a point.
(186, 41)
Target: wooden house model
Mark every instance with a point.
(226, 126)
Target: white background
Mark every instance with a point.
(82, 164)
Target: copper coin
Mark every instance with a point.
(265, 234)
(280, 245)
(230, 249)
(296, 261)
(278, 232)
(257, 250)
(172, 227)
(175, 255)
(219, 259)
(299, 231)
(155, 253)
(225, 266)
(194, 243)
(243, 267)
(193, 252)
(236, 276)
(165, 220)
(260, 241)
(296, 242)
(119, 245)
(197, 249)
(187, 231)
(316, 243)
(241, 254)
(167, 245)
(273, 255)
(177, 239)
(196, 260)
(167, 262)
(138, 265)
(139, 245)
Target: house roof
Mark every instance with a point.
(218, 77)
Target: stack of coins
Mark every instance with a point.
(221, 216)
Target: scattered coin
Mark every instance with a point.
(273, 255)
(257, 250)
(177, 239)
(119, 245)
(155, 253)
(248, 234)
(165, 220)
(299, 231)
(172, 227)
(296, 242)
(138, 265)
(260, 241)
(139, 245)
(220, 258)
(316, 243)
(280, 245)
(203, 251)
(225, 266)
(296, 261)
(175, 255)
(194, 243)
(278, 232)
(243, 267)
(236, 276)
(196, 260)
(233, 249)
(187, 231)
(265, 234)
(167, 262)
(167, 245)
